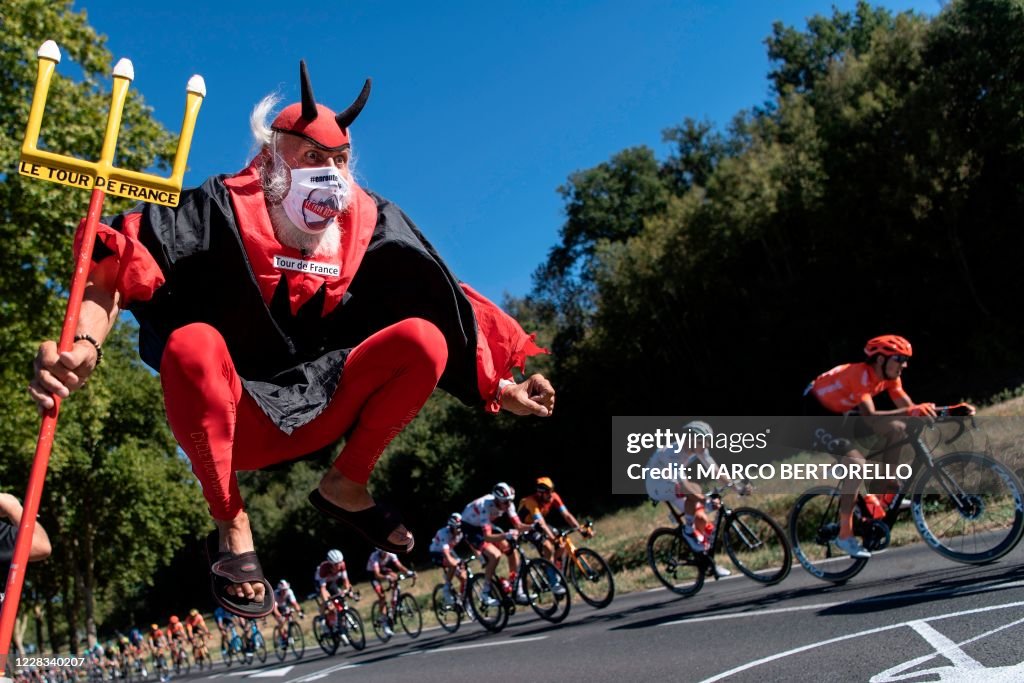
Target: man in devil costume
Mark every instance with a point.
(285, 307)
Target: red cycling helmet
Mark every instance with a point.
(888, 345)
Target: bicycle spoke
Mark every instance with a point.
(813, 529)
(968, 507)
(757, 546)
(673, 563)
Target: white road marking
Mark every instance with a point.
(850, 636)
(274, 673)
(323, 673)
(954, 653)
(968, 590)
(452, 648)
(740, 615)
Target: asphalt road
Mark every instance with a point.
(909, 616)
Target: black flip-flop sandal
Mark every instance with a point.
(374, 524)
(227, 569)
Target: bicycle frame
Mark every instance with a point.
(722, 513)
(922, 465)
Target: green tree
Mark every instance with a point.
(118, 499)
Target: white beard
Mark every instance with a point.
(324, 244)
(275, 184)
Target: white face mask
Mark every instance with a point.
(316, 197)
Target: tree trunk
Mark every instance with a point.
(88, 585)
(37, 611)
(51, 625)
(18, 636)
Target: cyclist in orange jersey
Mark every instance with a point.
(195, 627)
(850, 389)
(537, 506)
(176, 629)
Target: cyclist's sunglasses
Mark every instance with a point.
(543, 489)
(899, 359)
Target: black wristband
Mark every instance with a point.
(89, 338)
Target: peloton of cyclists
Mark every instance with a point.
(850, 389)
(442, 554)
(384, 566)
(489, 541)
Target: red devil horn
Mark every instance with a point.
(309, 111)
(346, 117)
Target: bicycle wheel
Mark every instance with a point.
(352, 624)
(673, 562)
(280, 645)
(296, 641)
(592, 578)
(492, 615)
(813, 530)
(259, 646)
(324, 638)
(379, 621)
(757, 545)
(408, 614)
(448, 616)
(547, 590)
(969, 508)
(226, 654)
(182, 664)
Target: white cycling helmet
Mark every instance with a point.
(699, 427)
(503, 492)
(283, 585)
(454, 520)
(335, 556)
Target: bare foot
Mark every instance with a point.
(353, 497)
(236, 537)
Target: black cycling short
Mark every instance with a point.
(474, 535)
(436, 559)
(834, 436)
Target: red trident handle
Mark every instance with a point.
(95, 175)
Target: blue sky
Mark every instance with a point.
(479, 110)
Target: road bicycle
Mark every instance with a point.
(967, 506)
(231, 646)
(342, 624)
(200, 653)
(539, 580)
(136, 665)
(450, 614)
(402, 610)
(180, 659)
(255, 644)
(754, 542)
(588, 572)
(288, 637)
(160, 667)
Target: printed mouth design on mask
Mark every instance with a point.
(324, 204)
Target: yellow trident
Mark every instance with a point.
(101, 177)
(102, 174)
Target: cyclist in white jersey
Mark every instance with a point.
(686, 493)
(383, 566)
(331, 578)
(284, 603)
(442, 554)
(490, 541)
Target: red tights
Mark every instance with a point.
(386, 381)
